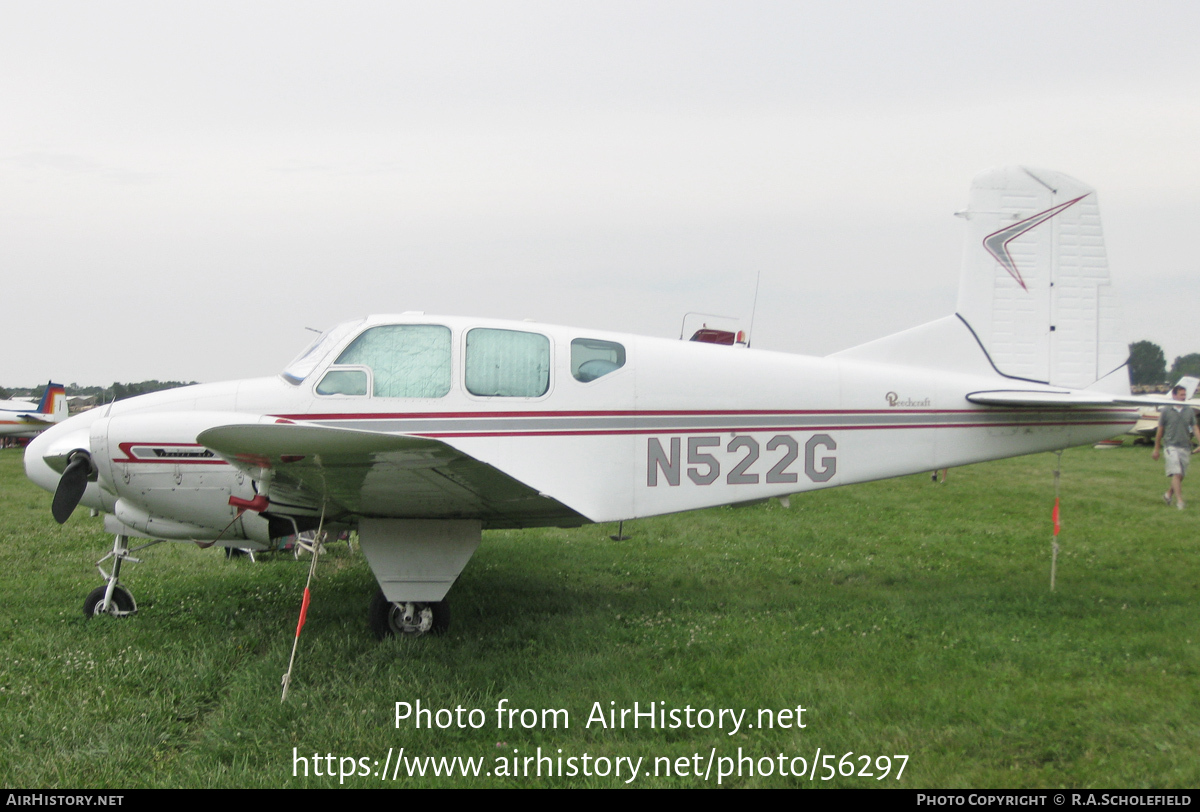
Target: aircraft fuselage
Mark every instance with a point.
(676, 426)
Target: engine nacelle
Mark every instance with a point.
(160, 482)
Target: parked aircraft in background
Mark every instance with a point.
(20, 418)
(421, 431)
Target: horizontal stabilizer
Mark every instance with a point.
(1043, 398)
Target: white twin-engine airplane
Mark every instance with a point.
(20, 418)
(421, 431)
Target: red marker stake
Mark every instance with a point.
(312, 568)
(308, 597)
(1054, 518)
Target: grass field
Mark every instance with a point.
(906, 618)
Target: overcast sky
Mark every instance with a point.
(184, 187)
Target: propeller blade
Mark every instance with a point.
(71, 486)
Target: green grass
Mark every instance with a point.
(905, 617)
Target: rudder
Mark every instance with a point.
(1035, 287)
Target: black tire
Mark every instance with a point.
(120, 597)
(387, 619)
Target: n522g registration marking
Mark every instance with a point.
(743, 458)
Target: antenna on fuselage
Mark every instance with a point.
(753, 308)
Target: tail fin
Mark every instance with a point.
(54, 401)
(1034, 293)
(1035, 288)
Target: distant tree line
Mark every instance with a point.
(103, 394)
(120, 391)
(1148, 365)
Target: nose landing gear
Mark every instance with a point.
(113, 598)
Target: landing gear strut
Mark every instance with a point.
(113, 598)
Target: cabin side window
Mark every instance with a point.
(343, 382)
(592, 358)
(406, 360)
(507, 363)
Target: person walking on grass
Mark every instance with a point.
(1176, 427)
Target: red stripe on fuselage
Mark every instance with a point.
(756, 429)
(313, 417)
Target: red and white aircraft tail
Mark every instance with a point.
(20, 419)
(54, 402)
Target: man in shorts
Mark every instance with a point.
(1176, 427)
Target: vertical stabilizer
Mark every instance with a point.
(54, 401)
(1035, 286)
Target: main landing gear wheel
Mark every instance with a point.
(407, 619)
(121, 604)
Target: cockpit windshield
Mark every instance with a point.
(304, 363)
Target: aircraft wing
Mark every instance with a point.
(380, 475)
(35, 418)
(1063, 398)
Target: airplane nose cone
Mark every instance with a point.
(57, 442)
(36, 468)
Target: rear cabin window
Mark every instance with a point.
(592, 358)
(406, 360)
(507, 363)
